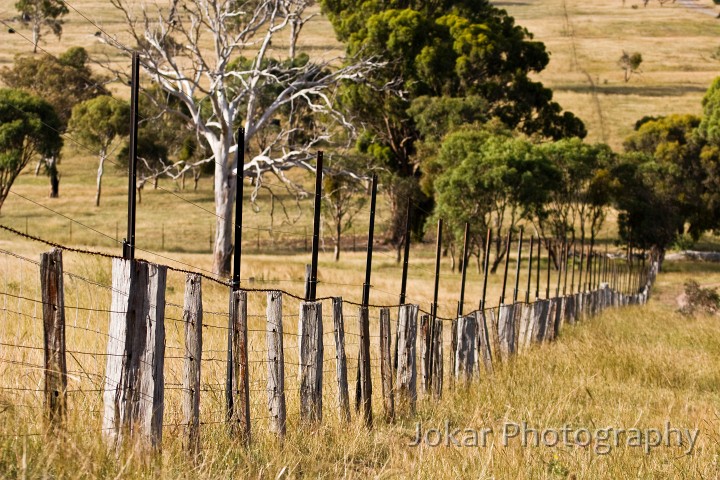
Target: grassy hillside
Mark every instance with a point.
(640, 368)
(586, 39)
(678, 42)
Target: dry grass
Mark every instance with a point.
(587, 38)
(632, 368)
(583, 38)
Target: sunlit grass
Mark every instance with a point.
(639, 367)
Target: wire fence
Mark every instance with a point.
(88, 294)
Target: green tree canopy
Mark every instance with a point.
(581, 196)
(41, 15)
(490, 180)
(441, 49)
(96, 123)
(675, 167)
(709, 128)
(63, 81)
(29, 127)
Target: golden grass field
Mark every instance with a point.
(637, 367)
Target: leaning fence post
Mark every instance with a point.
(53, 302)
(134, 380)
(341, 358)
(386, 369)
(484, 349)
(310, 331)
(192, 317)
(491, 321)
(240, 382)
(276, 364)
(407, 370)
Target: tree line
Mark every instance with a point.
(435, 96)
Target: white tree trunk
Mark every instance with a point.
(99, 178)
(36, 34)
(224, 189)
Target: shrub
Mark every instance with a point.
(683, 242)
(699, 299)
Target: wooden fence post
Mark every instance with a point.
(437, 358)
(407, 370)
(484, 351)
(426, 338)
(465, 355)
(560, 307)
(53, 298)
(240, 418)
(541, 317)
(453, 350)
(365, 386)
(523, 326)
(341, 359)
(134, 376)
(518, 312)
(505, 331)
(551, 315)
(491, 320)
(577, 307)
(276, 364)
(310, 331)
(386, 370)
(570, 309)
(192, 317)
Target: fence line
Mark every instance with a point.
(289, 356)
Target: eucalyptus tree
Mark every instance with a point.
(42, 15)
(97, 123)
(29, 127)
(444, 48)
(218, 59)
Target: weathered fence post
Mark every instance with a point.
(465, 356)
(426, 338)
(484, 351)
(492, 328)
(386, 369)
(134, 376)
(310, 335)
(365, 386)
(437, 358)
(524, 325)
(192, 317)
(505, 329)
(276, 364)
(453, 350)
(341, 359)
(552, 316)
(53, 298)
(239, 381)
(541, 318)
(406, 369)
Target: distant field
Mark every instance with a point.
(586, 39)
